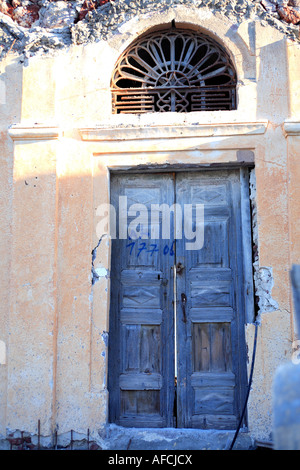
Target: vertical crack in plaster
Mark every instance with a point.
(263, 275)
(97, 272)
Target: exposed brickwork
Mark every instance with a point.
(89, 5)
(25, 13)
(290, 15)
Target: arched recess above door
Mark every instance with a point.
(173, 70)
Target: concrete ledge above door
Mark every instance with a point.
(177, 144)
(174, 132)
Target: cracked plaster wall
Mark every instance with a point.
(263, 275)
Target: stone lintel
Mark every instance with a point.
(34, 132)
(163, 132)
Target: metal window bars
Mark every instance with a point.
(173, 71)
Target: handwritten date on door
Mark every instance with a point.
(151, 248)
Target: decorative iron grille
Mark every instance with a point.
(174, 70)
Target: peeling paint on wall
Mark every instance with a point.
(96, 271)
(263, 275)
(263, 280)
(104, 337)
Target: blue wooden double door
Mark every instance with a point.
(176, 331)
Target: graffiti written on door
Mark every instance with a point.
(151, 248)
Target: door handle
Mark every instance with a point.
(183, 303)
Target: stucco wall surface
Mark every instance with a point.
(59, 139)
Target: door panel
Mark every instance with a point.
(211, 347)
(209, 376)
(210, 343)
(141, 361)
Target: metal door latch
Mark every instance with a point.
(183, 303)
(179, 268)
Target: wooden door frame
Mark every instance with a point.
(112, 148)
(247, 296)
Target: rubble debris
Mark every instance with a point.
(45, 25)
(289, 15)
(288, 10)
(58, 14)
(89, 5)
(26, 15)
(269, 5)
(6, 7)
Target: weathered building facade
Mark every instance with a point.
(90, 337)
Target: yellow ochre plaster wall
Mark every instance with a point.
(59, 141)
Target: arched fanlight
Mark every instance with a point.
(173, 70)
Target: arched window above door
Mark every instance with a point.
(173, 70)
